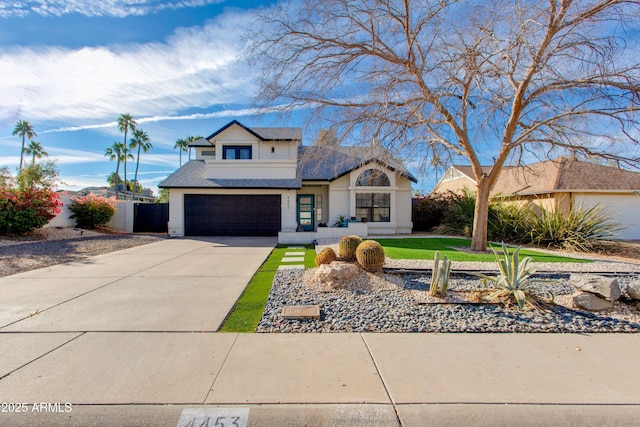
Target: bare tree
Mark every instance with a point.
(488, 81)
(327, 138)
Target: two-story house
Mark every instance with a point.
(263, 182)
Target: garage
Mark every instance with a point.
(232, 215)
(622, 208)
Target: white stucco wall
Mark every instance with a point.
(122, 220)
(342, 195)
(251, 169)
(176, 206)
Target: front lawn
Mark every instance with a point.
(425, 248)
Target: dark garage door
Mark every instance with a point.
(231, 215)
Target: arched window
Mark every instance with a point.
(373, 178)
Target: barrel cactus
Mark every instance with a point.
(370, 255)
(326, 256)
(347, 247)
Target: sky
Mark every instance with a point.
(71, 67)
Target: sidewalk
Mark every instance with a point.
(148, 374)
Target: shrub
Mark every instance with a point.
(579, 229)
(92, 211)
(428, 212)
(24, 210)
(370, 255)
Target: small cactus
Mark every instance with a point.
(440, 276)
(347, 247)
(327, 256)
(370, 255)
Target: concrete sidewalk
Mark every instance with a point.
(147, 362)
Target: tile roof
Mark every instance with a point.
(320, 163)
(192, 175)
(563, 174)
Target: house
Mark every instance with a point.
(562, 183)
(263, 181)
(145, 196)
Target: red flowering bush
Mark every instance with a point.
(27, 209)
(92, 211)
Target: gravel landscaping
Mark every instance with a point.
(49, 246)
(388, 304)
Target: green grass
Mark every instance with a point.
(425, 248)
(248, 310)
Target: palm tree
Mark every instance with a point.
(142, 142)
(126, 155)
(191, 139)
(35, 150)
(115, 153)
(182, 145)
(24, 129)
(126, 123)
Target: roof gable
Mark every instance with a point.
(319, 163)
(264, 134)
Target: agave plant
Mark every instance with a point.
(512, 282)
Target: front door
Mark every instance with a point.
(305, 211)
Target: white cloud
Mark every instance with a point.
(196, 67)
(115, 8)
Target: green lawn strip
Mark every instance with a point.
(425, 248)
(248, 310)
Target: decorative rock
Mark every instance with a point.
(336, 272)
(590, 302)
(633, 290)
(343, 270)
(606, 287)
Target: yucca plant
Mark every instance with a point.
(577, 229)
(512, 282)
(440, 276)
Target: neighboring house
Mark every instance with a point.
(145, 196)
(262, 181)
(563, 183)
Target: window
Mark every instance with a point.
(237, 152)
(374, 207)
(373, 178)
(209, 153)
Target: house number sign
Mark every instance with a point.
(214, 417)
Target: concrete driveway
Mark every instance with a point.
(176, 285)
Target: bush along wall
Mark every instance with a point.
(24, 210)
(92, 211)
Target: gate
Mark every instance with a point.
(150, 217)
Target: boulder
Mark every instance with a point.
(606, 287)
(332, 275)
(633, 290)
(590, 302)
(343, 270)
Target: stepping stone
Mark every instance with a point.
(301, 312)
(294, 254)
(291, 267)
(293, 259)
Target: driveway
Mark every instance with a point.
(176, 285)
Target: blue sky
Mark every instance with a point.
(71, 67)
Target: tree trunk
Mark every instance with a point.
(117, 180)
(481, 216)
(135, 177)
